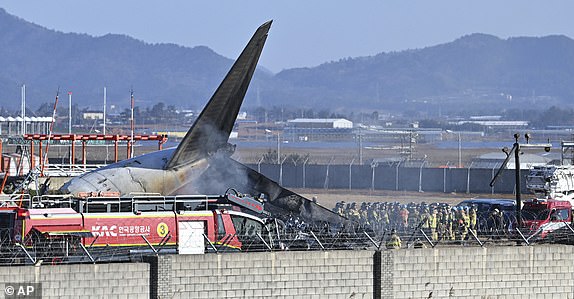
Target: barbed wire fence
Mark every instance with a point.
(417, 175)
(296, 235)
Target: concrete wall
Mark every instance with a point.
(454, 272)
(494, 272)
(544, 271)
(127, 280)
(315, 274)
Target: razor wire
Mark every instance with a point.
(361, 237)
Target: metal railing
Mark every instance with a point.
(69, 170)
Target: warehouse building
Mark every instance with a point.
(312, 129)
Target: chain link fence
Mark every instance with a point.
(392, 176)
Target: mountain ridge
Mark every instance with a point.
(474, 72)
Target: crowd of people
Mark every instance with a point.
(439, 221)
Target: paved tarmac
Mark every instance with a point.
(328, 198)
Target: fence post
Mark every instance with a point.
(326, 184)
(468, 179)
(397, 176)
(421, 176)
(444, 177)
(373, 166)
(259, 164)
(492, 187)
(304, 165)
(281, 172)
(350, 173)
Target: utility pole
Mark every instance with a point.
(70, 112)
(517, 148)
(23, 107)
(278, 149)
(132, 125)
(459, 152)
(105, 95)
(517, 178)
(360, 148)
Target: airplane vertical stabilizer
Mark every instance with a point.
(211, 130)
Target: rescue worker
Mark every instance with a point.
(472, 217)
(495, 221)
(353, 214)
(425, 220)
(373, 217)
(454, 223)
(363, 215)
(464, 224)
(404, 224)
(339, 208)
(441, 224)
(385, 218)
(433, 225)
(394, 241)
(419, 243)
(414, 216)
(448, 226)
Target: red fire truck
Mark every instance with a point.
(543, 216)
(183, 224)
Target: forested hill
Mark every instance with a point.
(477, 71)
(44, 59)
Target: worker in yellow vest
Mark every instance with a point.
(465, 223)
(433, 221)
(472, 217)
(394, 241)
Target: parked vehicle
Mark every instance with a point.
(544, 216)
(184, 224)
(494, 216)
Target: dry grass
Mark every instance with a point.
(434, 156)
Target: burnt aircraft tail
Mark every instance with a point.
(212, 128)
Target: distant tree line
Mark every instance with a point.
(160, 113)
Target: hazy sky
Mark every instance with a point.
(304, 33)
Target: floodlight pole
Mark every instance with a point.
(459, 152)
(278, 148)
(517, 147)
(69, 112)
(517, 180)
(105, 95)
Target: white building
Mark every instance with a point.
(312, 129)
(93, 115)
(329, 123)
(29, 125)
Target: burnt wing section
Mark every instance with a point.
(227, 173)
(211, 130)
